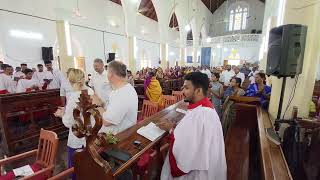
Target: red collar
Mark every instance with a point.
(205, 102)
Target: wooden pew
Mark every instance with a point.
(249, 154)
(23, 115)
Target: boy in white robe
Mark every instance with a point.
(27, 84)
(196, 150)
(39, 75)
(7, 85)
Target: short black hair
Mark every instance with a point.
(23, 64)
(39, 65)
(151, 74)
(47, 62)
(26, 71)
(198, 80)
(4, 66)
(217, 75)
(238, 81)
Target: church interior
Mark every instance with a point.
(160, 89)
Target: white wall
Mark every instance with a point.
(173, 55)
(150, 51)
(87, 42)
(18, 50)
(256, 13)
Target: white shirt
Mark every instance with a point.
(121, 110)
(252, 75)
(101, 86)
(39, 76)
(6, 83)
(199, 147)
(226, 77)
(207, 72)
(65, 88)
(241, 76)
(57, 78)
(24, 84)
(68, 120)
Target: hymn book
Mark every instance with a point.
(151, 131)
(23, 171)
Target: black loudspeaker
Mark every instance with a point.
(47, 53)
(111, 57)
(286, 50)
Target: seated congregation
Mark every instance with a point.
(206, 123)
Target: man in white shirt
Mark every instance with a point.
(122, 108)
(226, 75)
(39, 75)
(206, 71)
(7, 85)
(252, 74)
(27, 84)
(99, 81)
(53, 77)
(239, 74)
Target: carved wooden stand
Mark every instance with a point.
(88, 164)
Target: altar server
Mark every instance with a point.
(196, 150)
(27, 84)
(7, 85)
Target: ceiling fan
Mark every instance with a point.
(76, 12)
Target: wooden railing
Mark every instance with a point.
(250, 155)
(23, 115)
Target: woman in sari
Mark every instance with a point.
(229, 112)
(260, 89)
(152, 88)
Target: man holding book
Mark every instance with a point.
(196, 148)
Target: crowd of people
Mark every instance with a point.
(112, 90)
(24, 79)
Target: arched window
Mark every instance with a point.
(238, 18)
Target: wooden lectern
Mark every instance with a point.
(88, 163)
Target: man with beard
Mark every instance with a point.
(196, 150)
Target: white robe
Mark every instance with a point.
(39, 76)
(198, 147)
(24, 84)
(7, 83)
(57, 78)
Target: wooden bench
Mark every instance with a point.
(249, 154)
(23, 115)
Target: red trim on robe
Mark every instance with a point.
(175, 171)
(205, 102)
(4, 91)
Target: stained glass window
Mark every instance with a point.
(238, 18)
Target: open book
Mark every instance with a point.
(23, 171)
(151, 131)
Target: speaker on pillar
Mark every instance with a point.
(286, 50)
(111, 57)
(47, 53)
